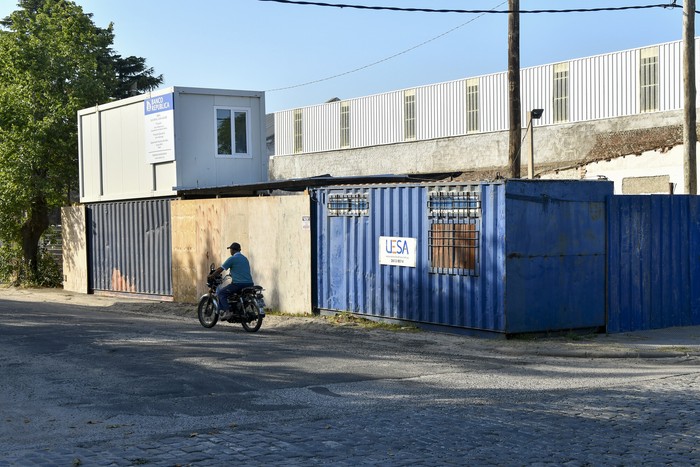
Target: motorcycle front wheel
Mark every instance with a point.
(206, 312)
(252, 319)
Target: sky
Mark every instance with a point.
(274, 47)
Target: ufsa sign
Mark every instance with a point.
(397, 251)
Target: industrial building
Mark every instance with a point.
(616, 115)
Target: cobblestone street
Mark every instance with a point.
(126, 387)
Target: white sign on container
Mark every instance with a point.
(397, 251)
(160, 128)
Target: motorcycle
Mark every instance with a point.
(246, 307)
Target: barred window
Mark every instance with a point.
(348, 204)
(454, 247)
(454, 236)
(409, 127)
(472, 105)
(649, 79)
(344, 124)
(561, 93)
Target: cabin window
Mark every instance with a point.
(232, 132)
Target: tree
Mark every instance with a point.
(54, 61)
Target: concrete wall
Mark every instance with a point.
(75, 267)
(658, 171)
(275, 235)
(557, 147)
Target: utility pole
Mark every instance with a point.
(689, 121)
(514, 88)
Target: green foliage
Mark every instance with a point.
(54, 61)
(15, 271)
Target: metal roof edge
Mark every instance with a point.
(301, 184)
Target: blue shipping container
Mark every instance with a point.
(484, 256)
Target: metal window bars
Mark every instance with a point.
(454, 204)
(348, 204)
(454, 237)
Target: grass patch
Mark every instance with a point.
(349, 319)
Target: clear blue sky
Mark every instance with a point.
(253, 45)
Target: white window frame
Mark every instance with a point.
(409, 116)
(560, 99)
(472, 91)
(298, 131)
(345, 124)
(249, 141)
(649, 79)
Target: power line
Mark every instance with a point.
(481, 13)
(382, 60)
(672, 4)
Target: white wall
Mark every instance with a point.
(647, 164)
(113, 152)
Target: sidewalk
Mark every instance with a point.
(674, 342)
(657, 343)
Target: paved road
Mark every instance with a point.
(85, 381)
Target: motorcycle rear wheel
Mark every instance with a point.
(252, 319)
(206, 312)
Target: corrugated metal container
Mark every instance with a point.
(382, 251)
(129, 247)
(555, 255)
(149, 145)
(653, 267)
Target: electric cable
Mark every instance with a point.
(382, 60)
(672, 4)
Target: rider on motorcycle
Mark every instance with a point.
(239, 269)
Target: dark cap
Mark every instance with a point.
(235, 246)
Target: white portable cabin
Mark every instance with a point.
(150, 145)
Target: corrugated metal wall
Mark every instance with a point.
(602, 86)
(653, 262)
(555, 254)
(540, 263)
(440, 110)
(129, 247)
(350, 277)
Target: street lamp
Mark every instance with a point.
(535, 114)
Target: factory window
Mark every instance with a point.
(649, 79)
(409, 115)
(298, 141)
(472, 105)
(561, 93)
(232, 132)
(344, 124)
